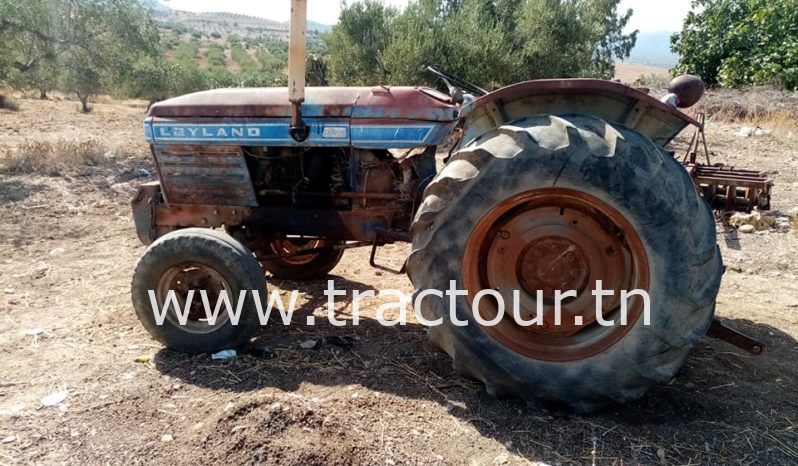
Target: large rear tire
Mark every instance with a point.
(559, 201)
(198, 259)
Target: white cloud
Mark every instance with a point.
(656, 16)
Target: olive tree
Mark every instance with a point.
(739, 42)
(489, 42)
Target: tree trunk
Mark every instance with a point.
(42, 95)
(84, 102)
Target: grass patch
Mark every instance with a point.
(652, 81)
(53, 158)
(755, 105)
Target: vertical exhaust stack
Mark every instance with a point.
(297, 59)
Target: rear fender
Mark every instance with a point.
(610, 101)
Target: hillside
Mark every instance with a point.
(654, 49)
(231, 24)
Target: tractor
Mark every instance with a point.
(549, 185)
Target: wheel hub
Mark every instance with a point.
(553, 263)
(193, 276)
(551, 240)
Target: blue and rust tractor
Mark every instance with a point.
(552, 185)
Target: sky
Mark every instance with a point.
(649, 16)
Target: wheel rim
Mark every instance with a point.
(287, 248)
(182, 278)
(555, 239)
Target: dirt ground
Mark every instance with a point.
(375, 395)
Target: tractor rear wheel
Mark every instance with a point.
(557, 203)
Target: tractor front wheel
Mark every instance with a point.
(561, 203)
(181, 278)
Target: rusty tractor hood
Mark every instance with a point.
(395, 103)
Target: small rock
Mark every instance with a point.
(759, 220)
(747, 229)
(308, 344)
(34, 332)
(167, 438)
(55, 398)
(57, 251)
(794, 215)
(144, 173)
(9, 439)
(735, 268)
(276, 407)
(746, 132)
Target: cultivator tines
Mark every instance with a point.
(726, 188)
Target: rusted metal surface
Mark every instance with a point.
(689, 89)
(382, 237)
(263, 102)
(730, 189)
(410, 103)
(729, 335)
(143, 206)
(607, 100)
(725, 188)
(344, 195)
(204, 174)
(296, 251)
(182, 280)
(555, 239)
(354, 225)
(195, 215)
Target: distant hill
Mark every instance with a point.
(654, 49)
(226, 24)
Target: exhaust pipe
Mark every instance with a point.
(297, 59)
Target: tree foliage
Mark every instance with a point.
(489, 42)
(80, 46)
(739, 42)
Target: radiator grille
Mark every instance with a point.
(211, 175)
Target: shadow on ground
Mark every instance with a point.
(724, 406)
